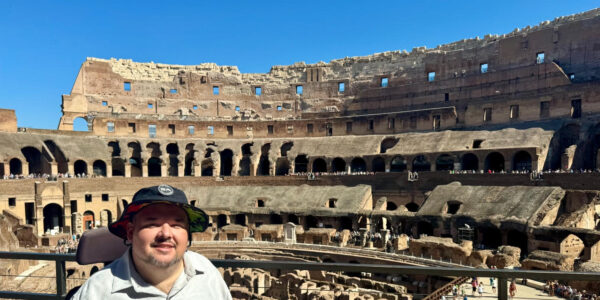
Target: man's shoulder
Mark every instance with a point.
(197, 260)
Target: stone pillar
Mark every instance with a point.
(38, 219)
(197, 169)
(67, 227)
(348, 168)
(71, 168)
(144, 169)
(432, 166)
(90, 170)
(164, 169)
(180, 170)
(7, 168)
(108, 170)
(53, 168)
(25, 168)
(388, 164)
(127, 170)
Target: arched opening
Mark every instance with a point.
(563, 139)
(16, 167)
(319, 165)
(293, 219)
(221, 220)
(135, 160)
(240, 219)
(226, 162)
(346, 223)
(80, 167)
(388, 143)
(412, 207)
(421, 164)
(358, 165)
(286, 147)
(80, 124)
(338, 165)
(59, 156)
(188, 168)
(136, 167)
(282, 167)
(391, 206)
(311, 222)
(244, 169)
(264, 165)
(424, 227)
(35, 161)
(173, 152)
(276, 219)
(99, 168)
(378, 164)
(116, 148)
(118, 167)
(301, 164)
(522, 161)
(154, 169)
(490, 237)
(398, 164)
(444, 162)
(53, 217)
(89, 221)
(469, 162)
(207, 167)
(105, 217)
(494, 162)
(518, 239)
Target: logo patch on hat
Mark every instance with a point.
(165, 190)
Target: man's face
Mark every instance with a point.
(158, 235)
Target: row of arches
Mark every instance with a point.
(174, 163)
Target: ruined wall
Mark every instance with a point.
(8, 120)
(471, 76)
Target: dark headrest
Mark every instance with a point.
(99, 246)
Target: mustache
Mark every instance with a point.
(159, 241)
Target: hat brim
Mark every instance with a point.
(198, 220)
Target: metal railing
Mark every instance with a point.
(503, 275)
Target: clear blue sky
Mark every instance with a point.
(43, 43)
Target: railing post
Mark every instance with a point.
(61, 281)
(502, 289)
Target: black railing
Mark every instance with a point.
(503, 275)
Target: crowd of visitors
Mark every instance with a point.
(67, 245)
(49, 177)
(554, 288)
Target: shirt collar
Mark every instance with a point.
(125, 276)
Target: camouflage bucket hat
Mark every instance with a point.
(198, 220)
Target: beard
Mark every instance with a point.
(150, 259)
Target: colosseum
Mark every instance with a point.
(484, 152)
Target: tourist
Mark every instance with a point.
(158, 224)
(512, 289)
(493, 284)
(474, 285)
(480, 288)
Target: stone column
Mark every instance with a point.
(38, 219)
(90, 170)
(67, 208)
(348, 168)
(388, 164)
(53, 168)
(164, 169)
(127, 170)
(25, 168)
(7, 168)
(507, 164)
(144, 169)
(197, 169)
(108, 170)
(180, 170)
(71, 168)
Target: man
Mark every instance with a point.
(158, 224)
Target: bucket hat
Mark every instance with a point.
(165, 194)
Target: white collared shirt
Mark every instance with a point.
(119, 280)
